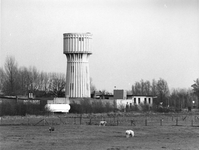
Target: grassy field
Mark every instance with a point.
(69, 136)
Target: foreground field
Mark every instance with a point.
(94, 137)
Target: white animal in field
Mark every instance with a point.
(102, 123)
(129, 133)
(51, 129)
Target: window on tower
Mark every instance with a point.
(71, 86)
(72, 69)
(81, 39)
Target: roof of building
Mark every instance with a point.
(87, 33)
(140, 95)
(26, 98)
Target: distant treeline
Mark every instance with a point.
(87, 107)
(178, 98)
(16, 80)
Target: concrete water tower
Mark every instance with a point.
(77, 48)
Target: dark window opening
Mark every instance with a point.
(72, 69)
(81, 39)
(144, 100)
(149, 100)
(71, 86)
(134, 100)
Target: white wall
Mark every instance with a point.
(59, 101)
(136, 100)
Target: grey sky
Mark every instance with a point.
(132, 39)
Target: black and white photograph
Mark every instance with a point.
(99, 75)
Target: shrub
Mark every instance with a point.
(21, 109)
(86, 106)
(134, 108)
(75, 108)
(98, 107)
(145, 107)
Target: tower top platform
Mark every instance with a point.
(77, 43)
(77, 34)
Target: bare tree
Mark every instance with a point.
(2, 79)
(32, 79)
(195, 87)
(10, 86)
(174, 98)
(147, 88)
(57, 83)
(184, 97)
(24, 80)
(137, 89)
(43, 82)
(154, 88)
(92, 86)
(181, 98)
(133, 89)
(141, 88)
(162, 91)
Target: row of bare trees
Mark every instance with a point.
(178, 98)
(148, 88)
(156, 88)
(16, 80)
(195, 87)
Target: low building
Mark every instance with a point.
(21, 99)
(134, 100)
(119, 94)
(57, 100)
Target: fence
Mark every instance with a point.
(112, 120)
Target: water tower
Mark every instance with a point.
(77, 48)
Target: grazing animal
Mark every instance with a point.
(129, 133)
(51, 129)
(102, 123)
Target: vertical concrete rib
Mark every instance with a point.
(76, 58)
(83, 89)
(83, 43)
(80, 68)
(88, 76)
(81, 77)
(67, 80)
(75, 46)
(76, 69)
(87, 43)
(74, 76)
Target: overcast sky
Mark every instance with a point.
(132, 39)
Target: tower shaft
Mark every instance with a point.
(77, 50)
